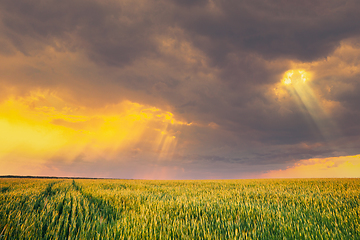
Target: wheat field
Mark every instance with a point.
(206, 209)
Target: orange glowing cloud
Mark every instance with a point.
(42, 125)
(343, 167)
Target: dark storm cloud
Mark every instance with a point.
(234, 50)
(304, 30)
(191, 3)
(346, 92)
(108, 32)
(116, 33)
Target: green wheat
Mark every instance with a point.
(139, 209)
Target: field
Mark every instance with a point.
(221, 209)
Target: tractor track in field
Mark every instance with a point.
(74, 206)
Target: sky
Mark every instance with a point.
(180, 89)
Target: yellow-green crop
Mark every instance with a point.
(221, 209)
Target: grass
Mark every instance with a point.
(221, 209)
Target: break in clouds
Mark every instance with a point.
(218, 66)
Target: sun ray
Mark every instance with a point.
(298, 85)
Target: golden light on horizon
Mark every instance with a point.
(42, 125)
(342, 167)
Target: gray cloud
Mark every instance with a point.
(206, 61)
(116, 33)
(304, 31)
(109, 32)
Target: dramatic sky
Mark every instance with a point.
(180, 89)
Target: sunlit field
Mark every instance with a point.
(219, 209)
